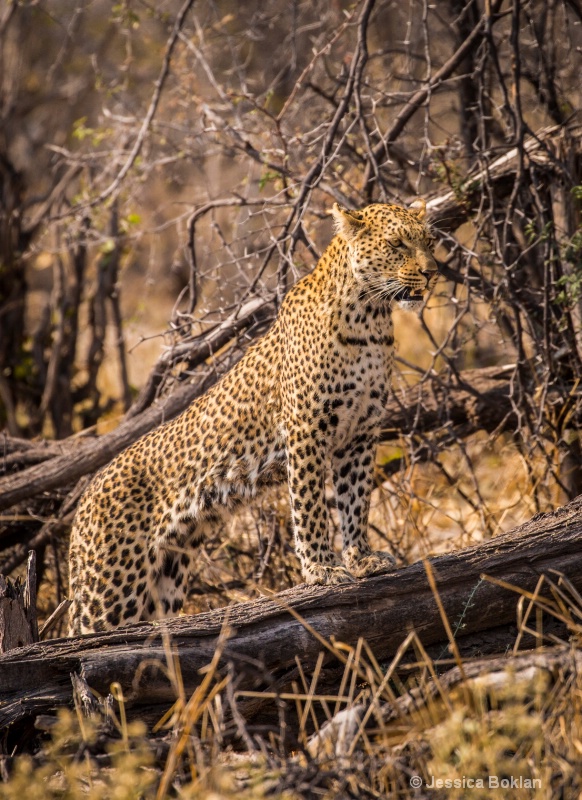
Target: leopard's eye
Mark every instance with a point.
(396, 242)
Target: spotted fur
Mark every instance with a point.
(308, 394)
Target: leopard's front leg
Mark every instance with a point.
(353, 475)
(306, 470)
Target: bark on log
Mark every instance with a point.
(264, 637)
(14, 628)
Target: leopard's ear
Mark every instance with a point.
(347, 223)
(418, 208)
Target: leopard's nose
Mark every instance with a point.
(429, 274)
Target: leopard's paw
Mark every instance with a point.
(326, 575)
(375, 563)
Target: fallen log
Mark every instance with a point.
(480, 399)
(261, 640)
(474, 400)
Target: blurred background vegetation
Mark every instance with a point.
(165, 174)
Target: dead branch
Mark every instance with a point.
(451, 209)
(152, 108)
(419, 97)
(262, 639)
(194, 352)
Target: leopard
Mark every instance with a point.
(306, 401)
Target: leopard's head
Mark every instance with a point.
(390, 252)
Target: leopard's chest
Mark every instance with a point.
(357, 396)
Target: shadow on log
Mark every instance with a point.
(263, 638)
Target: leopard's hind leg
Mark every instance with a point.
(167, 589)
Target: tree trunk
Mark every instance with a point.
(263, 639)
(18, 622)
